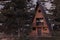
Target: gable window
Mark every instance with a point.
(39, 10)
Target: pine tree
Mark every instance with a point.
(16, 16)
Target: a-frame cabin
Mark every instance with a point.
(40, 27)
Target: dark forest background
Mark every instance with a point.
(14, 15)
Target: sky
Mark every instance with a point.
(34, 1)
(1, 6)
(48, 5)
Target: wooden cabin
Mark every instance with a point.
(40, 27)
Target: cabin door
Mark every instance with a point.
(39, 31)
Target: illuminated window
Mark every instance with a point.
(39, 21)
(44, 28)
